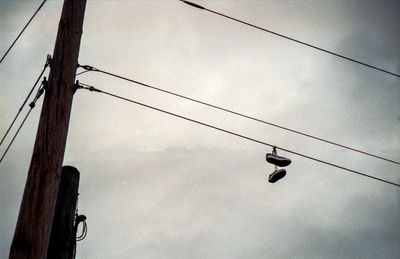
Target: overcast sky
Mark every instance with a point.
(155, 186)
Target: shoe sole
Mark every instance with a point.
(276, 175)
(278, 160)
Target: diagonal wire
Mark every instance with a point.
(90, 68)
(82, 72)
(5, 54)
(15, 135)
(91, 88)
(26, 99)
(292, 39)
(31, 105)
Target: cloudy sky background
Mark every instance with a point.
(155, 186)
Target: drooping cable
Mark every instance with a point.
(91, 88)
(31, 105)
(90, 68)
(26, 99)
(292, 39)
(19, 35)
(78, 219)
(84, 232)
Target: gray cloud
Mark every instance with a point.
(218, 203)
(157, 187)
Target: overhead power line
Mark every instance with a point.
(90, 68)
(26, 99)
(15, 135)
(31, 105)
(82, 72)
(291, 39)
(91, 88)
(5, 54)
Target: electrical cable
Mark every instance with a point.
(82, 72)
(90, 68)
(26, 99)
(91, 88)
(291, 39)
(84, 232)
(15, 135)
(31, 105)
(22, 31)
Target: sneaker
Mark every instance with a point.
(278, 160)
(276, 175)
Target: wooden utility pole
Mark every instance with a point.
(62, 238)
(32, 232)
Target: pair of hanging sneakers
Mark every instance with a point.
(280, 161)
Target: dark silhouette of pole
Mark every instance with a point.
(32, 232)
(62, 238)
